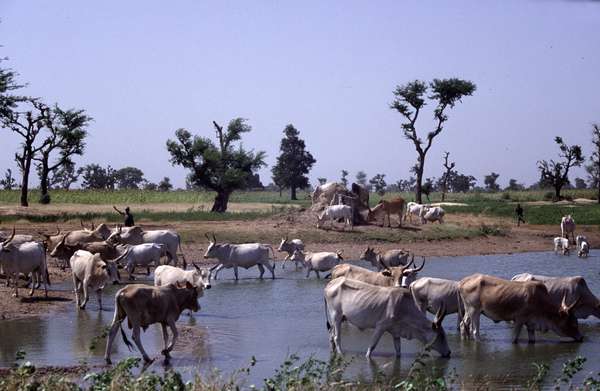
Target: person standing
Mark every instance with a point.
(519, 213)
(128, 217)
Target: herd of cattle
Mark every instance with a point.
(388, 299)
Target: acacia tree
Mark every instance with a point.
(221, 167)
(129, 178)
(64, 177)
(446, 175)
(66, 132)
(557, 173)
(410, 99)
(165, 184)
(378, 184)
(593, 168)
(361, 178)
(293, 163)
(95, 176)
(8, 182)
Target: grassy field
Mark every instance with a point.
(501, 204)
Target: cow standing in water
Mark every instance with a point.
(239, 255)
(567, 226)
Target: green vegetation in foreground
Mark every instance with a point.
(312, 374)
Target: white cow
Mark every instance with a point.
(319, 262)
(434, 214)
(335, 212)
(414, 209)
(583, 246)
(561, 243)
(167, 274)
(437, 295)
(384, 309)
(90, 272)
(136, 235)
(26, 258)
(240, 255)
(142, 255)
(567, 226)
(289, 246)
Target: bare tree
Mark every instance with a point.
(446, 176)
(410, 99)
(593, 168)
(557, 173)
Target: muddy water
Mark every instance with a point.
(270, 319)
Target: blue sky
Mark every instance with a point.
(143, 69)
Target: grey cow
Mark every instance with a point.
(239, 255)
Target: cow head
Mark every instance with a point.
(5, 246)
(213, 247)
(51, 240)
(103, 231)
(440, 342)
(369, 255)
(402, 275)
(566, 323)
(63, 250)
(187, 296)
(201, 277)
(285, 246)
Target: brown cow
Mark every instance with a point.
(144, 305)
(392, 207)
(524, 302)
(65, 250)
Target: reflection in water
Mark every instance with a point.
(272, 319)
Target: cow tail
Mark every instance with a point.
(125, 339)
(327, 316)
(46, 274)
(118, 318)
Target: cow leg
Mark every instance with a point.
(531, 333)
(261, 269)
(165, 351)
(271, 268)
(175, 335)
(307, 272)
(389, 220)
(235, 272)
(517, 331)
(397, 346)
(15, 278)
(148, 270)
(112, 333)
(317, 273)
(85, 294)
(337, 333)
(399, 219)
(32, 284)
(99, 296)
(472, 316)
(216, 269)
(375, 339)
(138, 342)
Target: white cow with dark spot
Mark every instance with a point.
(434, 214)
(289, 246)
(583, 246)
(562, 244)
(414, 209)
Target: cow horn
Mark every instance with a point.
(57, 231)
(118, 259)
(93, 226)
(383, 265)
(214, 238)
(81, 223)
(206, 236)
(286, 237)
(420, 267)
(7, 241)
(195, 266)
(339, 254)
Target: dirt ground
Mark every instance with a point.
(419, 240)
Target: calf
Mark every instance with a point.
(319, 262)
(143, 255)
(90, 272)
(143, 306)
(583, 246)
(389, 258)
(526, 303)
(336, 212)
(387, 208)
(561, 243)
(384, 309)
(289, 246)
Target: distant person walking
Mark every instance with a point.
(519, 213)
(128, 221)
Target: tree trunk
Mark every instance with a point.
(25, 178)
(557, 192)
(420, 168)
(44, 197)
(293, 190)
(221, 201)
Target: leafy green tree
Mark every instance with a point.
(293, 163)
(129, 178)
(580, 183)
(165, 184)
(410, 99)
(150, 186)
(378, 184)
(65, 133)
(8, 84)
(361, 178)
(490, 182)
(557, 173)
(97, 177)
(461, 183)
(221, 167)
(344, 178)
(593, 169)
(8, 182)
(64, 177)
